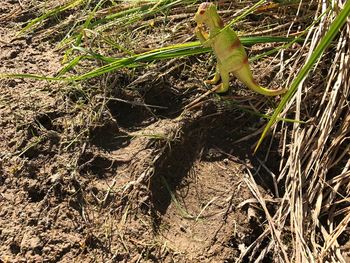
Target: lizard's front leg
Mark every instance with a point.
(202, 35)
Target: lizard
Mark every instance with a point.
(228, 49)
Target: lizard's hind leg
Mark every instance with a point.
(225, 77)
(216, 77)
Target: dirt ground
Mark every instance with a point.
(89, 179)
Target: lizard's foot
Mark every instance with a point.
(215, 79)
(220, 88)
(212, 81)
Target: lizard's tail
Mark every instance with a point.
(245, 75)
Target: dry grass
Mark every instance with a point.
(313, 212)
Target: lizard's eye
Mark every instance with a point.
(202, 12)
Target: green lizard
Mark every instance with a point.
(230, 54)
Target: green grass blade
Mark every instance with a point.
(336, 25)
(236, 104)
(87, 23)
(180, 50)
(169, 52)
(70, 65)
(50, 13)
(27, 76)
(132, 15)
(95, 55)
(247, 12)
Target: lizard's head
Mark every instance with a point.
(205, 11)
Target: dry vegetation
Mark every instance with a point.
(118, 168)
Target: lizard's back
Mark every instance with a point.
(226, 45)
